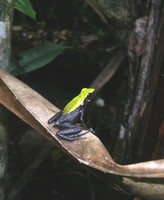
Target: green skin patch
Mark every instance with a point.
(78, 100)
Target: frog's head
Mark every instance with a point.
(86, 94)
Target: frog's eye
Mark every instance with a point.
(88, 98)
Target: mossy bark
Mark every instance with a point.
(6, 10)
(118, 15)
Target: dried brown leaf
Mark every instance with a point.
(36, 110)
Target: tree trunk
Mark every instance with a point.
(6, 10)
(143, 115)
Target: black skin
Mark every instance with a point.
(67, 123)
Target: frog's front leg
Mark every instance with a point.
(82, 118)
(70, 132)
(55, 117)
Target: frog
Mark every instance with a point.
(70, 120)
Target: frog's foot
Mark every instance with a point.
(91, 130)
(78, 135)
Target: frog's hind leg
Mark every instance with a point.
(70, 132)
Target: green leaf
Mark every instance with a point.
(25, 7)
(37, 57)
